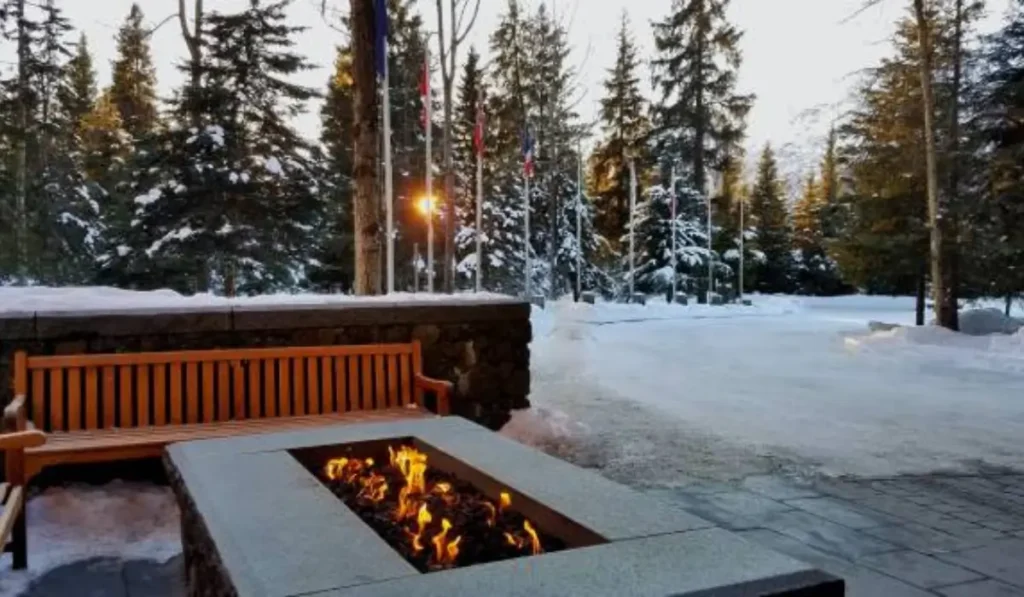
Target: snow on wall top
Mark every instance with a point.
(29, 299)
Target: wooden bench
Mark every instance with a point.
(107, 407)
(12, 493)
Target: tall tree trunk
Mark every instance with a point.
(449, 187)
(194, 42)
(952, 224)
(931, 169)
(366, 152)
(21, 149)
(699, 176)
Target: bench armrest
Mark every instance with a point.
(19, 440)
(14, 414)
(442, 389)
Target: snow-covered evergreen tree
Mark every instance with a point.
(234, 205)
(652, 223)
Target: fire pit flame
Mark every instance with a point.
(411, 511)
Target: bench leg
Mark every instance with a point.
(19, 541)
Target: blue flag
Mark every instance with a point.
(380, 36)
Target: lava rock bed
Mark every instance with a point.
(468, 510)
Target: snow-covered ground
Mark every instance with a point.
(791, 383)
(658, 394)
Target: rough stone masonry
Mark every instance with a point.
(480, 345)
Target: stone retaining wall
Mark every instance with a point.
(482, 346)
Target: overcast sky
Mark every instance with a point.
(798, 56)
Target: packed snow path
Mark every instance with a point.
(649, 394)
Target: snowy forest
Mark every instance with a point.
(213, 189)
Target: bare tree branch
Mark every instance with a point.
(863, 8)
(460, 37)
(156, 27)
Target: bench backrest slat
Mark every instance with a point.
(100, 391)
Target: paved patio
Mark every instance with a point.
(950, 536)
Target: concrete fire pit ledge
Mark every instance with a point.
(256, 523)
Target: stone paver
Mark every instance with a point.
(1002, 560)
(843, 513)
(918, 569)
(982, 588)
(111, 577)
(900, 537)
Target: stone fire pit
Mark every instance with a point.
(256, 522)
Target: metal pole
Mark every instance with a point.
(742, 238)
(479, 212)
(388, 179)
(711, 280)
(579, 220)
(526, 235)
(429, 126)
(632, 209)
(415, 268)
(672, 198)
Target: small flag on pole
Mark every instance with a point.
(380, 36)
(425, 90)
(478, 130)
(528, 149)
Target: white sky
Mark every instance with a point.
(798, 57)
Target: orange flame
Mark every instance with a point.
(445, 552)
(423, 518)
(505, 501)
(375, 487)
(492, 514)
(534, 540)
(413, 466)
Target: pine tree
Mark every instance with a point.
(504, 247)
(624, 125)
(471, 94)
(653, 240)
(773, 241)
(242, 193)
(134, 77)
(999, 225)
(335, 252)
(78, 94)
(699, 116)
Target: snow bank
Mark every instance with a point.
(657, 309)
(982, 322)
(68, 524)
(542, 427)
(998, 353)
(95, 298)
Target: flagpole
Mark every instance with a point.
(632, 221)
(711, 280)
(579, 219)
(526, 233)
(672, 198)
(428, 126)
(742, 235)
(388, 181)
(479, 198)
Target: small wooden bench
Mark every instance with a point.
(12, 493)
(107, 407)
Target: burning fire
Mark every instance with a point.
(415, 498)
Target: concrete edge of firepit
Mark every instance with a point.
(276, 531)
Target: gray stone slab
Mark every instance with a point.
(133, 322)
(920, 538)
(675, 564)
(1002, 560)
(841, 512)
(919, 569)
(620, 513)
(984, 588)
(97, 577)
(963, 529)
(279, 530)
(777, 488)
(860, 581)
(700, 506)
(146, 578)
(745, 504)
(826, 535)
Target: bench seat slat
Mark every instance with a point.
(119, 439)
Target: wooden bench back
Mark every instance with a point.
(102, 391)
